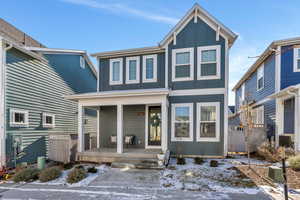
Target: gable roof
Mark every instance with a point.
(206, 17)
(195, 10)
(66, 51)
(267, 52)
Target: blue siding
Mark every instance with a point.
(104, 75)
(288, 76)
(194, 35)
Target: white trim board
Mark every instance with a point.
(190, 92)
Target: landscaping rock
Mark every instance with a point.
(214, 163)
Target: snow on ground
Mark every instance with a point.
(193, 177)
(62, 180)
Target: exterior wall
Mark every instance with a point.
(197, 148)
(134, 124)
(288, 76)
(37, 87)
(104, 75)
(238, 94)
(195, 35)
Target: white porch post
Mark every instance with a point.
(80, 128)
(2, 104)
(98, 128)
(119, 128)
(164, 125)
(297, 123)
(279, 120)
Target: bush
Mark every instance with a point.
(294, 162)
(76, 175)
(180, 161)
(79, 167)
(68, 166)
(92, 170)
(26, 175)
(214, 163)
(198, 161)
(272, 154)
(49, 174)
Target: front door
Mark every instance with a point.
(154, 126)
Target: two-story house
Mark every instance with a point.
(33, 80)
(271, 85)
(173, 96)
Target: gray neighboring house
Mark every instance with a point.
(33, 82)
(173, 96)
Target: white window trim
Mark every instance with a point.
(218, 62)
(255, 121)
(296, 58)
(154, 79)
(218, 118)
(137, 72)
(174, 52)
(262, 67)
(191, 114)
(12, 122)
(45, 125)
(243, 92)
(82, 62)
(120, 81)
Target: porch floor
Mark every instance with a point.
(109, 155)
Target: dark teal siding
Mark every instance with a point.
(104, 75)
(289, 116)
(195, 35)
(198, 148)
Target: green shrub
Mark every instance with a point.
(214, 163)
(180, 161)
(26, 175)
(67, 166)
(198, 161)
(92, 170)
(79, 167)
(76, 175)
(49, 174)
(294, 162)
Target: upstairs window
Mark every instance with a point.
(48, 120)
(183, 64)
(208, 122)
(260, 77)
(133, 70)
(296, 59)
(182, 122)
(209, 62)
(116, 71)
(18, 118)
(149, 68)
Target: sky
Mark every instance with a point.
(104, 25)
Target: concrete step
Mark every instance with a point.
(136, 165)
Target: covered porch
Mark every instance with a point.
(130, 124)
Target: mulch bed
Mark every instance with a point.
(292, 176)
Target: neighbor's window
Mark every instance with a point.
(209, 62)
(208, 122)
(18, 118)
(116, 71)
(296, 59)
(182, 122)
(258, 115)
(183, 64)
(133, 69)
(150, 68)
(260, 77)
(48, 120)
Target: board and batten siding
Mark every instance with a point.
(36, 87)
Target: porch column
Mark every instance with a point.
(279, 120)
(164, 125)
(119, 128)
(98, 127)
(80, 128)
(297, 123)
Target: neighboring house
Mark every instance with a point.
(171, 96)
(33, 82)
(271, 85)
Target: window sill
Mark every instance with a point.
(182, 79)
(17, 125)
(208, 77)
(208, 140)
(181, 139)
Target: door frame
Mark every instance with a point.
(147, 129)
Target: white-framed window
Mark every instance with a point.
(132, 69)
(258, 114)
(48, 120)
(82, 62)
(183, 64)
(243, 92)
(260, 77)
(182, 122)
(209, 62)
(116, 71)
(150, 68)
(19, 118)
(296, 59)
(208, 122)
